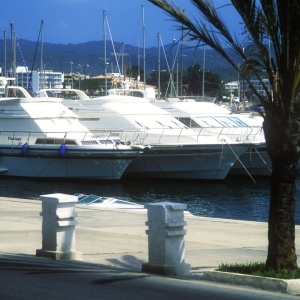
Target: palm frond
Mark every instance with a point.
(266, 22)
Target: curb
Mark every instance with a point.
(288, 286)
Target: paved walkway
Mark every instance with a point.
(116, 240)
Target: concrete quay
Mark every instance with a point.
(114, 245)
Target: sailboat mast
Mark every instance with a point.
(158, 71)
(144, 48)
(104, 40)
(42, 45)
(4, 53)
(181, 54)
(13, 51)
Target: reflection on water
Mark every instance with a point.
(235, 198)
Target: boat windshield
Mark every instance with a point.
(87, 199)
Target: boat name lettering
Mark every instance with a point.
(14, 138)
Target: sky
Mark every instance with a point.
(80, 21)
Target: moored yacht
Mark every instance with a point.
(209, 117)
(41, 138)
(176, 151)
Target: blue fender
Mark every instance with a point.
(24, 149)
(62, 149)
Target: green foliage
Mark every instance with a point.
(164, 81)
(91, 86)
(212, 82)
(258, 269)
(135, 71)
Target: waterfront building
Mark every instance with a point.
(39, 80)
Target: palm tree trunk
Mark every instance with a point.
(281, 234)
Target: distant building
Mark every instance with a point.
(46, 79)
(232, 86)
(259, 86)
(243, 88)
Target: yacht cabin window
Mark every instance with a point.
(91, 142)
(207, 122)
(50, 94)
(52, 141)
(137, 94)
(231, 122)
(188, 122)
(71, 95)
(106, 142)
(220, 121)
(15, 93)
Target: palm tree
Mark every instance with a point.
(266, 22)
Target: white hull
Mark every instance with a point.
(198, 162)
(43, 162)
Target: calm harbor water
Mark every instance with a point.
(235, 198)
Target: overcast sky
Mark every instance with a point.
(79, 21)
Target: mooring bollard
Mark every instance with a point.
(166, 239)
(58, 227)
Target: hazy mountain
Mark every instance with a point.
(89, 57)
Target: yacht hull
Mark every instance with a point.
(204, 162)
(256, 164)
(47, 162)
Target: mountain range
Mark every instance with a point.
(88, 58)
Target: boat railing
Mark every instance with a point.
(162, 135)
(247, 133)
(145, 136)
(126, 136)
(16, 138)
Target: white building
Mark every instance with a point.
(46, 79)
(242, 87)
(259, 86)
(232, 86)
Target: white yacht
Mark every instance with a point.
(209, 117)
(145, 94)
(41, 138)
(175, 150)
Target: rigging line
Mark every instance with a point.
(221, 156)
(46, 167)
(113, 163)
(220, 159)
(262, 159)
(37, 43)
(113, 45)
(162, 45)
(21, 53)
(240, 162)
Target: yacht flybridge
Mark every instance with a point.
(42, 138)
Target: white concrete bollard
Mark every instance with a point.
(58, 227)
(166, 239)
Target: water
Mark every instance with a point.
(235, 198)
